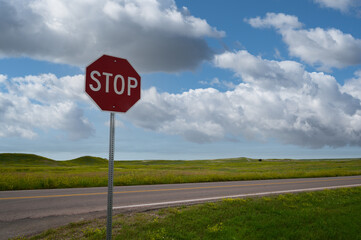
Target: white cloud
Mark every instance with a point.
(342, 5)
(280, 21)
(319, 47)
(48, 89)
(302, 108)
(268, 74)
(43, 102)
(277, 100)
(190, 114)
(2, 78)
(327, 48)
(353, 86)
(152, 35)
(215, 81)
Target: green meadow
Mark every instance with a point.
(329, 214)
(27, 171)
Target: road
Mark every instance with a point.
(33, 211)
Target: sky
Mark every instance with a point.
(220, 79)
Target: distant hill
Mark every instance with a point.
(35, 160)
(88, 160)
(25, 159)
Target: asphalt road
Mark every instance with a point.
(33, 211)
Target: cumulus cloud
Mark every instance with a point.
(268, 74)
(303, 108)
(276, 100)
(190, 114)
(342, 5)
(353, 86)
(319, 47)
(47, 88)
(32, 103)
(153, 35)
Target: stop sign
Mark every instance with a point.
(112, 83)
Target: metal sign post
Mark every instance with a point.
(110, 178)
(114, 85)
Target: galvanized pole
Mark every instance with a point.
(110, 178)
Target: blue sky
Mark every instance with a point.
(260, 78)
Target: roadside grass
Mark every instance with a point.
(26, 171)
(329, 214)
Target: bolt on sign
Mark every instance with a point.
(114, 85)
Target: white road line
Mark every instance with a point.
(233, 196)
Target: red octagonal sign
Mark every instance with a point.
(112, 83)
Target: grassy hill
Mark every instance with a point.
(32, 160)
(25, 159)
(88, 160)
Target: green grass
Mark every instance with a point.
(26, 171)
(329, 214)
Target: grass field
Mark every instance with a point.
(329, 214)
(27, 171)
